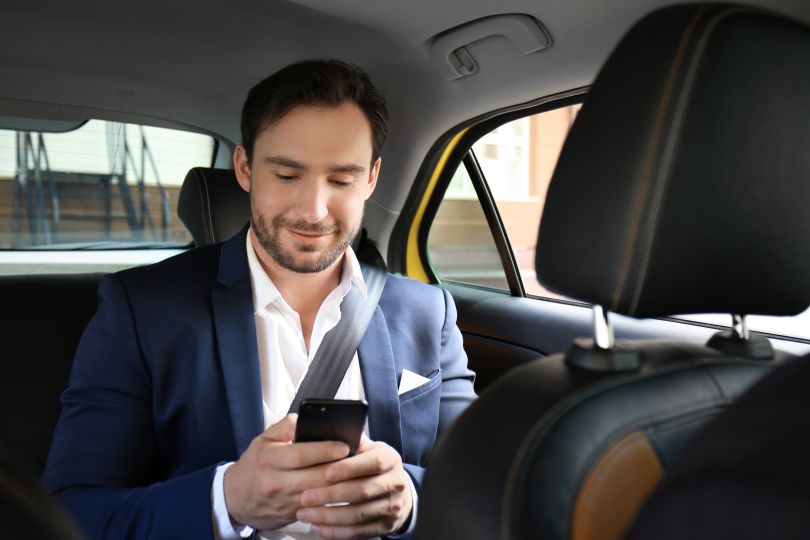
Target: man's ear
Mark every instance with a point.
(372, 177)
(241, 166)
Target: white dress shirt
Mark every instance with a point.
(283, 356)
(283, 361)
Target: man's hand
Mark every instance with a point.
(375, 486)
(263, 488)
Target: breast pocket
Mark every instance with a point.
(419, 418)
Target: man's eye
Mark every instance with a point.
(341, 183)
(285, 177)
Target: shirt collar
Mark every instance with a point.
(265, 291)
(352, 274)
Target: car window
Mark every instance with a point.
(790, 327)
(99, 187)
(515, 161)
(460, 242)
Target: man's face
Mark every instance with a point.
(309, 178)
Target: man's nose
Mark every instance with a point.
(312, 201)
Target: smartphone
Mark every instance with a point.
(331, 420)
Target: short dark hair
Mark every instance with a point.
(313, 82)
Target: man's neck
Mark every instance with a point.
(303, 292)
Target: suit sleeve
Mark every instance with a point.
(103, 463)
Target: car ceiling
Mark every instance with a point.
(191, 63)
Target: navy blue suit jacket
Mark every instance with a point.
(166, 385)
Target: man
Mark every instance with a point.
(175, 421)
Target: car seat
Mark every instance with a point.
(27, 511)
(680, 189)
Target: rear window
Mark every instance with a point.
(99, 187)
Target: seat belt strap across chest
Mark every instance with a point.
(331, 361)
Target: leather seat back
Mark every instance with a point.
(550, 451)
(43, 320)
(212, 205)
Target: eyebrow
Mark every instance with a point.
(284, 162)
(349, 169)
(291, 163)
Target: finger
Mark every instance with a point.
(283, 430)
(282, 490)
(356, 491)
(303, 455)
(379, 459)
(385, 508)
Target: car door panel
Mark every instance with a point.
(502, 331)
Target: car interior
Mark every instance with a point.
(117, 126)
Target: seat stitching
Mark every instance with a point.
(200, 195)
(647, 247)
(600, 467)
(210, 214)
(663, 108)
(704, 405)
(541, 423)
(576, 398)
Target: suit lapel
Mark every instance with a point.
(380, 382)
(235, 328)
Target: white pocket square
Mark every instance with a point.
(410, 380)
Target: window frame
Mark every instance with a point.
(494, 222)
(462, 154)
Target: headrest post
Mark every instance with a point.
(601, 352)
(602, 331)
(740, 327)
(740, 341)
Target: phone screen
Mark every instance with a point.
(331, 420)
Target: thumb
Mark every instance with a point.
(365, 444)
(283, 430)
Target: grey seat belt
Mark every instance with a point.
(328, 367)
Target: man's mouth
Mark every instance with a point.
(308, 235)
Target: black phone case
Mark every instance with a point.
(331, 420)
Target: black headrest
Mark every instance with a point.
(684, 185)
(212, 205)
